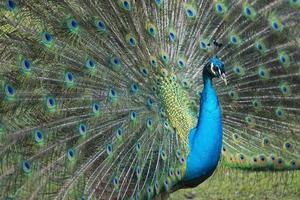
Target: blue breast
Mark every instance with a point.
(205, 140)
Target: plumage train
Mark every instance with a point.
(125, 99)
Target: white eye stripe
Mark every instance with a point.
(219, 71)
(211, 68)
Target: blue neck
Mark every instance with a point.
(205, 140)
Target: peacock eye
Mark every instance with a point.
(215, 68)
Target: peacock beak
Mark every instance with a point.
(223, 77)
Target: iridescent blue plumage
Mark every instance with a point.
(205, 140)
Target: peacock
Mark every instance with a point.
(136, 99)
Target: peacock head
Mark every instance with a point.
(215, 68)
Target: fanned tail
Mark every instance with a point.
(261, 102)
(80, 117)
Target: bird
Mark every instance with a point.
(136, 99)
